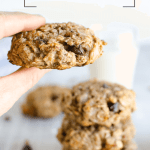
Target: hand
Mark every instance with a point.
(13, 86)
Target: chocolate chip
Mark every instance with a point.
(40, 41)
(72, 93)
(64, 134)
(54, 97)
(63, 28)
(105, 85)
(113, 107)
(7, 118)
(43, 41)
(75, 101)
(27, 146)
(103, 145)
(96, 127)
(56, 64)
(78, 51)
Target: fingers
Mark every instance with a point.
(11, 23)
(27, 77)
(13, 86)
(21, 68)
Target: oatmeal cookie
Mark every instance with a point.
(73, 136)
(103, 103)
(46, 102)
(130, 146)
(55, 46)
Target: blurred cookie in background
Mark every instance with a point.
(46, 101)
(73, 136)
(100, 102)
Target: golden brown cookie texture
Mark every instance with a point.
(73, 136)
(46, 101)
(98, 117)
(55, 46)
(100, 102)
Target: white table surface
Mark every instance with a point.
(41, 133)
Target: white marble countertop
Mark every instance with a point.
(41, 133)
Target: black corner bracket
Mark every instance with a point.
(130, 6)
(27, 6)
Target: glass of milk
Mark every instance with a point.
(118, 61)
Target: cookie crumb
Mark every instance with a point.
(27, 146)
(105, 86)
(7, 118)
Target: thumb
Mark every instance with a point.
(13, 86)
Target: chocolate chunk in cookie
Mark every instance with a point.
(54, 97)
(78, 51)
(105, 85)
(113, 107)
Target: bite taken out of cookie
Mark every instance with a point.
(55, 46)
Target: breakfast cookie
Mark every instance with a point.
(55, 46)
(46, 102)
(103, 103)
(130, 146)
(73, 136)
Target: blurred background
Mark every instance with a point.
(125, 61)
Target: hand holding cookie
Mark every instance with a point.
(43, 46)
(55, 46)
(13, 86)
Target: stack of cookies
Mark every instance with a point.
(98, 118)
